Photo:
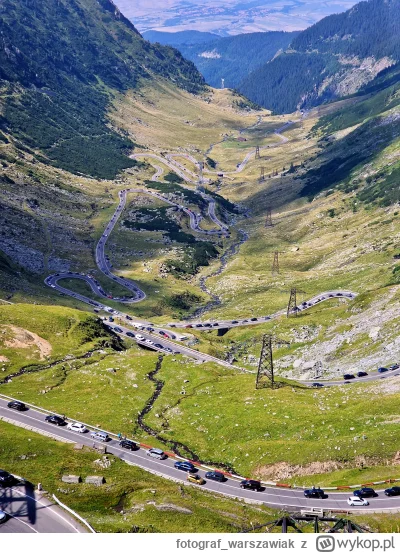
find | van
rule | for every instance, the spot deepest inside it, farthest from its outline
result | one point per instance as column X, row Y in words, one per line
column 99, row 435
column 157, row 453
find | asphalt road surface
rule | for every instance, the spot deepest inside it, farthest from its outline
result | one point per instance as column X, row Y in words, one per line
column 30, row 512
column 285, row 499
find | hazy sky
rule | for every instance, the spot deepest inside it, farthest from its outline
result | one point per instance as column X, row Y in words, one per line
column 229, row 16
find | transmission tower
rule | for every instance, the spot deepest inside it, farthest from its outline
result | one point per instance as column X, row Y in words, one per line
column 275, row 264
column 201, row 166
column 262, row 174
column 292, row 305
column 258, row 152
column 222, row 84
column 265, row 371
column 268, row 219
column 318, row 369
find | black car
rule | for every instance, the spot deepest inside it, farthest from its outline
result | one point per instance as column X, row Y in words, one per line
column 215, row 475
column 235, row 322
column 117, row 329
column 128, row 317
column 55, row 419
column 365, row 492
column 6, row 479
column 253, row 319
column 317, row 385
column 18, row 405
column 128, row 444
column 130, row 334
column 315, row 493
column 251, row 485
column 362, row 373
column 348, row 376
column 382, row 370
column 395, row 490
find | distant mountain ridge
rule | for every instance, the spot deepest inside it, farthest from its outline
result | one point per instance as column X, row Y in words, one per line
column 333, row 58
column 230, row 58
column 180, row 37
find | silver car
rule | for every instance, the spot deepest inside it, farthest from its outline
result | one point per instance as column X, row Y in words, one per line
column 157, row 453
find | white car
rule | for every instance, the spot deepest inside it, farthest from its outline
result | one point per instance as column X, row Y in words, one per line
column 3, row 516
column 139, row 337
column 77, row 427
column 149, row 342
column 357, row 501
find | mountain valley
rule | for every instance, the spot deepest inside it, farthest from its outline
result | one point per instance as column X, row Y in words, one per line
column 137, row 198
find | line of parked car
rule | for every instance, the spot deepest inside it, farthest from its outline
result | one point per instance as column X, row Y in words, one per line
column 359, row 374
column 357, row 499
column 144, row 340
column 215, row 475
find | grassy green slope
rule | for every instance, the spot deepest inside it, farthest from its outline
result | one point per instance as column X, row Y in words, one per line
column 60, row 66
column 34, row 337
column 131, row 500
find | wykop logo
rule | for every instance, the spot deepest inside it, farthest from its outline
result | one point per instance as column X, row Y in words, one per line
column 325, row 544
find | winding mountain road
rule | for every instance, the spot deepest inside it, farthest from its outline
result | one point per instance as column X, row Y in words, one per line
column 279, row 498
column 151, row 336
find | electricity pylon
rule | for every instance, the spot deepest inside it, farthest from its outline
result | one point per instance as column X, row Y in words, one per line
column 268, row 219
column 292, row 305
column 265, row 371
column 275, row 264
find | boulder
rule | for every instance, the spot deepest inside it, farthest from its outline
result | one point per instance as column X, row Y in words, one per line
column 374, row 332
column 95, row 480
column 71, row 479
